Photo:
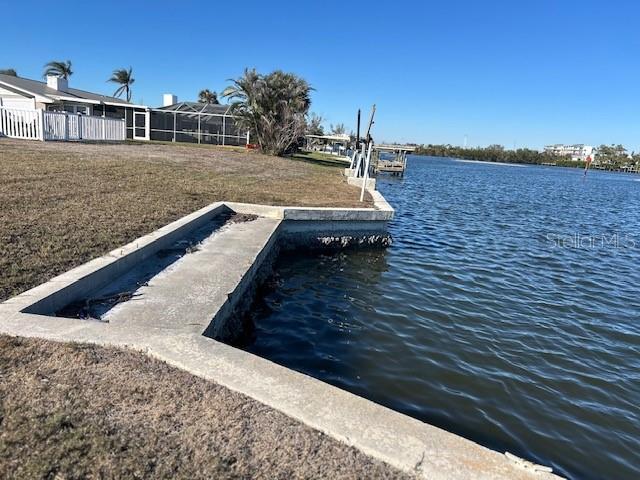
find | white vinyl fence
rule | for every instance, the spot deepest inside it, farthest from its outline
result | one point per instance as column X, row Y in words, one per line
column 41, row 125
column 16, row 123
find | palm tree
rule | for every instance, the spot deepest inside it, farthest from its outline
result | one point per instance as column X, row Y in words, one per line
column 273, row 107
column 9, row 71
column 338, row 129
column 207, row 96
column 314, row 125
column 58, row 69
column 124, row 78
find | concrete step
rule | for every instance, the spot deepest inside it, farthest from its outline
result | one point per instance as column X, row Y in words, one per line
column 186, row 295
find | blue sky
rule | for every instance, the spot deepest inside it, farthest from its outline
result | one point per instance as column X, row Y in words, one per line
column 511, row 72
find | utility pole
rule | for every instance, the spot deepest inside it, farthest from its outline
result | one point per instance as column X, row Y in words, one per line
column 358, row 132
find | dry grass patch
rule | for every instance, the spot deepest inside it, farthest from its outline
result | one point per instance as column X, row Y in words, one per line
column 72, row 411
column 65, row 203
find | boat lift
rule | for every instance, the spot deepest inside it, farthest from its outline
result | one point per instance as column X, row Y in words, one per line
column 395, row 166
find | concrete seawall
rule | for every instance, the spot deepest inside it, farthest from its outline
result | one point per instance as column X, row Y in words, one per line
column 181, row 310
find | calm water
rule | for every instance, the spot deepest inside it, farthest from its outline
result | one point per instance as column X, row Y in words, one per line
column 507, row 311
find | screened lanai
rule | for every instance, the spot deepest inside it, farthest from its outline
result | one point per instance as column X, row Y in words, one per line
column 196, row 123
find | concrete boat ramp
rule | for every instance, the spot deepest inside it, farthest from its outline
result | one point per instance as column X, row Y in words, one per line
column 188, row 294
column 181, row 305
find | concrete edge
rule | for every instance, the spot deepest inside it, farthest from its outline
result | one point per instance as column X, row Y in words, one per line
column 382, row 210
column 82, row 280
column 408, row 444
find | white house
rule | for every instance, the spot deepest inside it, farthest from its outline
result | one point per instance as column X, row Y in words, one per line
column 55, row 95
column 178, row 122
column 577, row 152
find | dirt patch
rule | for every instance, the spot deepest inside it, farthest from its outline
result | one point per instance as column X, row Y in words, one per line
column 66, row 203
column 241, row 217
column 79, row 411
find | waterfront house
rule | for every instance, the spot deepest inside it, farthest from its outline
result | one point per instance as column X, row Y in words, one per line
column 55, row 95
column 178, row 122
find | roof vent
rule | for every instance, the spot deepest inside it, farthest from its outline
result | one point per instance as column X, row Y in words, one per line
column 169, row 99
column 57, row 83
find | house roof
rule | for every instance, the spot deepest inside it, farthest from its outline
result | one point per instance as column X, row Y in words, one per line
column 36, row 88
column 195, row 107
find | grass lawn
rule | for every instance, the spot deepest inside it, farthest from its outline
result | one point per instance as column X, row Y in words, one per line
column 75, row 411
column 72, row 411
column 65, row 203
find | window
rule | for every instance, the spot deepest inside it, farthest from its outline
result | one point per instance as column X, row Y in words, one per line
column 70, row 108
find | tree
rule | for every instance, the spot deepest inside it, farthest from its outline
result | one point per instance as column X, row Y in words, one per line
column 613, row 155
column 314, row 125
column 339, row 129
column 58, row 69
column 207, row 96
column 124, row 78
column 273, row 107
column 9, row 71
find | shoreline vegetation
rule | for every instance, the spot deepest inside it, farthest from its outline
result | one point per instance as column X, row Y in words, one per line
column 498, row 154
column 613, row 158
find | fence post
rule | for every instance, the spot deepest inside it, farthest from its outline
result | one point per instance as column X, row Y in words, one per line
column 40, row 125
column 147, row 124
column 79, row 126
column 224, row 127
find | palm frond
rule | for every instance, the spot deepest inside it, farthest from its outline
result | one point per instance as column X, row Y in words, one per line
column 58, row 69
column 125, row 79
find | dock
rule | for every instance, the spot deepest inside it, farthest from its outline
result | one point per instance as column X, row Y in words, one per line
column 394, row 166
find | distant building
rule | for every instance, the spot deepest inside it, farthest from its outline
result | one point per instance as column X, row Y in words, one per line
column 578, row 152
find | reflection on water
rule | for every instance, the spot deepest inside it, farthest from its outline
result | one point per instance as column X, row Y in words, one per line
column 505, row 311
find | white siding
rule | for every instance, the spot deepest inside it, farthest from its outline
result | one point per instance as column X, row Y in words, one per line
column 11, row 99
column 20, row 103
